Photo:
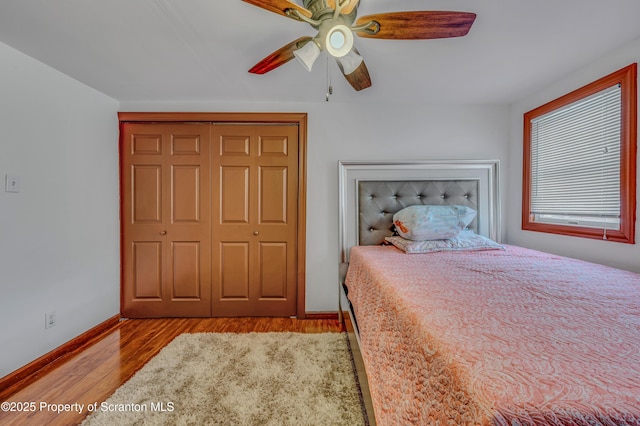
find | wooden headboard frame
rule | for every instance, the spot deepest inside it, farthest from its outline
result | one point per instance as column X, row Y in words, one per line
column 371, row 192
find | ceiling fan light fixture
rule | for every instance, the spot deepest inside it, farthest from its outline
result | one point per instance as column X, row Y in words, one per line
column 350, row 62
column 339, row 40
column 337, row 23
column 307, row 55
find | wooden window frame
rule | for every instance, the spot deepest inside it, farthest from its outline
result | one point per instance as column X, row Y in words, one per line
column 627, row 78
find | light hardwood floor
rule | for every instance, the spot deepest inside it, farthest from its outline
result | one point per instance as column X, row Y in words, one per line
column 95, row 372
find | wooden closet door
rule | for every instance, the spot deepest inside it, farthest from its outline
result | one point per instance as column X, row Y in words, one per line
column 255, row 190
column 166, row 220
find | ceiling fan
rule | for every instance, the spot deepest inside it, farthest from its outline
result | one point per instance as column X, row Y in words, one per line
column 335, row 21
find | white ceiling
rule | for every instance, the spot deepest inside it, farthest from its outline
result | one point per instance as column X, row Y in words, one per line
column 200, row 50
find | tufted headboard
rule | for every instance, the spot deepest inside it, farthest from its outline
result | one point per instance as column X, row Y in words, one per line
column 379, row 200
column 371, row 192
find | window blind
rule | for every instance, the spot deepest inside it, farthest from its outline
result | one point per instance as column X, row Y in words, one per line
column 575, row 158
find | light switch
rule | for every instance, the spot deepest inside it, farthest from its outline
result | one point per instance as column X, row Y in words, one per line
column 12, row 183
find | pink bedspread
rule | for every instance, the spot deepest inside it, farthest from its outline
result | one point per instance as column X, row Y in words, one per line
column 513, row 337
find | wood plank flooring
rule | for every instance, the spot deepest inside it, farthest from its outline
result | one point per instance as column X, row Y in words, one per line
column 94, row 373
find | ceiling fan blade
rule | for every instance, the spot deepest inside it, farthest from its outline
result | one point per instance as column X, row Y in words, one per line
column 358, row 79
column 279, row 57
column 279, row 6
column 418, row 25
column 347, row 9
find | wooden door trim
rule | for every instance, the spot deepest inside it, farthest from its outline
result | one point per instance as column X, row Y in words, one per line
column 215, row 117
column 296, row 118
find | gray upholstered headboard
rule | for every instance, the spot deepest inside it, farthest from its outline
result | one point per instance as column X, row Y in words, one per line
column 371, row 192
column 379, row 200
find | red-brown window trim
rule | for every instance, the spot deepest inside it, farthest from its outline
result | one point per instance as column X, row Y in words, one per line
column 627, row 78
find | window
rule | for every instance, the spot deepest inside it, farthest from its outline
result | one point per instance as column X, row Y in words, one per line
column 579, row 171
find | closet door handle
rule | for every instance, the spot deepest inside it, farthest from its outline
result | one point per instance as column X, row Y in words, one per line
column 256, row 233
column 163, row 232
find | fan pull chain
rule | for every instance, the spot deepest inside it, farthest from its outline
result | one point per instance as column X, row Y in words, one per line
column 329, row 86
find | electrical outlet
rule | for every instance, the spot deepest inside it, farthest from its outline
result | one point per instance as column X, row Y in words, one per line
column 12, row 183
column 49, row 319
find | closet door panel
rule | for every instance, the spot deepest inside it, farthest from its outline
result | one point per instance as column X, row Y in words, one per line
column 185, row 194
column 166, row 220
column 146, row 193
column 234, row 195
column 186, row 280
column 147, row 272
column 257, row 194
column 234, row 275
column 273, row 200
column 273, row 271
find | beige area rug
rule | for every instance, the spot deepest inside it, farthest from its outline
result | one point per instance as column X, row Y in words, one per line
column 240, row 379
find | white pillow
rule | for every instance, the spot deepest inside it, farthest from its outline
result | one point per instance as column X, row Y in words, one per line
column 465, row 241
column 432, row 222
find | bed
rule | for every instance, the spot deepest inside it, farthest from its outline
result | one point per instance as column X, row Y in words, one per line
column 506, row 336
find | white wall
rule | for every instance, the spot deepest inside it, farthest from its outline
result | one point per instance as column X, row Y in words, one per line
column 625, row 256
column 364, row 131
column 59, row 237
